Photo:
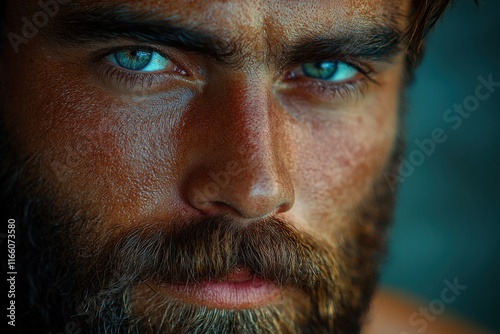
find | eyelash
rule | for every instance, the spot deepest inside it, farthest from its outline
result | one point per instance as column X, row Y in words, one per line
column 346, row 91
column 136, row 80
column 131, row 80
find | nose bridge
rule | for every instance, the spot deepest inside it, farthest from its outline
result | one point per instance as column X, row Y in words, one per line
column 249, row 122
column 254, row 137
column 243, row 170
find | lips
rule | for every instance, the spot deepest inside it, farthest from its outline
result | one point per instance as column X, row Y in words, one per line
column 240, row 289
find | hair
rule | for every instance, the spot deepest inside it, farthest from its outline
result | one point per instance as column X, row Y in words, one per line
column 423, row 17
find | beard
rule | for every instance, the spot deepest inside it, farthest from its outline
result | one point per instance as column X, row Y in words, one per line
column 70, row 271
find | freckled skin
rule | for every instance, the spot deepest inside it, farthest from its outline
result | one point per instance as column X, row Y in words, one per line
column 137, row 158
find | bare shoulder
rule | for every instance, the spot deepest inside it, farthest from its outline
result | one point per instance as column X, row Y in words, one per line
column 391, row 313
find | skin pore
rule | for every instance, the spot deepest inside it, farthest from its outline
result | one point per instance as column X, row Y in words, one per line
column 250, row 149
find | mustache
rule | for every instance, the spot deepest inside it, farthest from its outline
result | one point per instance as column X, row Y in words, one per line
column 210, row 249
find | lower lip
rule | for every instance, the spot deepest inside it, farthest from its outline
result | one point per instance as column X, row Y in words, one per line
column 230, row 294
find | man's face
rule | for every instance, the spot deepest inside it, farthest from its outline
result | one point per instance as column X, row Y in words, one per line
column 209, row 163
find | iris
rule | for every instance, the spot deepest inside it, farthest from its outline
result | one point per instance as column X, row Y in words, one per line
column 139, row 60
column 329, row 70
column 135, row 60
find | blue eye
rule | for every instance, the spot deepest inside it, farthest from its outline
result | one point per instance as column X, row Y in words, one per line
column 139, row 60
column 334, row 71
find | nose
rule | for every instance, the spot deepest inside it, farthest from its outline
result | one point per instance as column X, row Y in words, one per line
column 240, row 163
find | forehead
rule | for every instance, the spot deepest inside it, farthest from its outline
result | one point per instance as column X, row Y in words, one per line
column 258, row 19
column 258, row 12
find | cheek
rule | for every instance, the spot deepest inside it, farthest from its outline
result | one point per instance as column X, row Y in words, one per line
column 340, row 159
column 95, row 150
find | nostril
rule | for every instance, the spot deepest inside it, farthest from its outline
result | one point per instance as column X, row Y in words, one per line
column 284, row 207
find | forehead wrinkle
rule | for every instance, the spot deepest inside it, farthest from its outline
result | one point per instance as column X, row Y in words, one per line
column 246, row 26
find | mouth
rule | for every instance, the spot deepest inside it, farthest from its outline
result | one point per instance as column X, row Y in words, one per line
column 240, row 289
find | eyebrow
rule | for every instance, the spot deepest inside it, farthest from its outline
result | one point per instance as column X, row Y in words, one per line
column 375, row 43
column 77, row 26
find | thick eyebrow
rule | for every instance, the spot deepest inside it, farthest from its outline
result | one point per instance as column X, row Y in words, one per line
column 375, row 43
column 103, row 24
column 76, row 26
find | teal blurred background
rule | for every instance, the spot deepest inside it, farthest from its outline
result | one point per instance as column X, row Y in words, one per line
column 447, row 221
